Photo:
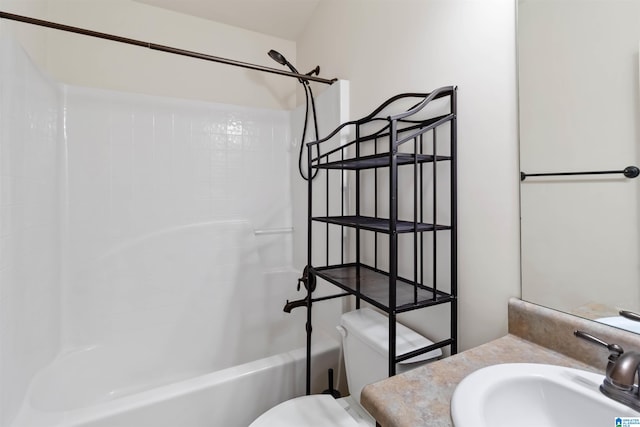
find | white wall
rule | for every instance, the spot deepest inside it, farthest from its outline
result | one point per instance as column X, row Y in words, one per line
column 85, row 61
column 29, row 229
column 579, row 112
column 386, row 47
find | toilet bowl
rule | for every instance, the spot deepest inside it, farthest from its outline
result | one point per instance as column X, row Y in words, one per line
column 365, row 341
column 316, row 410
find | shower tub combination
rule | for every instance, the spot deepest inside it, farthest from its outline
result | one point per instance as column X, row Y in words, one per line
column 249, row 356
column 233, row 396
column 166, row 307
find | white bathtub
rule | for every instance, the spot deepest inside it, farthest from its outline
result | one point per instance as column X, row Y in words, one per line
column 180, row 328
column 228, row 398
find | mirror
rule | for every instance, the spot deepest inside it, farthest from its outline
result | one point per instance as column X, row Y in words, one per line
column 580, row 112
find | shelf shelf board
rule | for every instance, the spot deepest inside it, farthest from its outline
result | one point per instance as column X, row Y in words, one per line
column 374, row 287
column 379, row 224
column 379, row 161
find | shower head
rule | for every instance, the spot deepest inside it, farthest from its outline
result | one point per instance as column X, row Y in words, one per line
column 278, row 57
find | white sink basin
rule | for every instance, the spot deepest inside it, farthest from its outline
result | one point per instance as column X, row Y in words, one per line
column 534, row 395
column 622, row 323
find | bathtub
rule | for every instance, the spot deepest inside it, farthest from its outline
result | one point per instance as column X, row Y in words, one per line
column 179, row 328
column 227, row 398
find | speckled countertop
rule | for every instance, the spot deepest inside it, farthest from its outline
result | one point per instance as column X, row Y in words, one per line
column 536, row 335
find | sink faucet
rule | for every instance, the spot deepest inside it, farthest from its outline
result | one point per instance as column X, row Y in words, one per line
column 622, row 369
column 630, row 315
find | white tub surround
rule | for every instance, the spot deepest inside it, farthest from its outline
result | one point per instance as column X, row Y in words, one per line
column 147, row 253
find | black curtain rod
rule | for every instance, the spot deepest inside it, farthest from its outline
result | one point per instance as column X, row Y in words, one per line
column 153, row 46
column 629, row 172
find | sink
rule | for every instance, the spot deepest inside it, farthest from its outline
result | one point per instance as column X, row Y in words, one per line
column 534, row 395
column 622, row 323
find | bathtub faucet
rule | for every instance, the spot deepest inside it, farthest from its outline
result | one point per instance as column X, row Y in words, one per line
column 290, row 305
column 308, row 280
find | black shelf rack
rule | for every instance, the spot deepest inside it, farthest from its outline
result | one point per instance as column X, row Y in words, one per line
column 382, row 215
column 371, row 285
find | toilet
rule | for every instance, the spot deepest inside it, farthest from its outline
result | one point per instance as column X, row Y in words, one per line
column 365, row 341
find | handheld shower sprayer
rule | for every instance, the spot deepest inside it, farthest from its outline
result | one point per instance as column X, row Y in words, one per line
column 280, row 59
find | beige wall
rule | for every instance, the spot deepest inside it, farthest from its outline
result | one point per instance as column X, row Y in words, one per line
column 85, row 61
column 384, row 47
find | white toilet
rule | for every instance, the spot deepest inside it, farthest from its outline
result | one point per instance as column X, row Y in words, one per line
column 365, row 340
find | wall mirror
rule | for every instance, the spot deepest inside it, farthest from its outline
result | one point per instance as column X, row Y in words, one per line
column 579, row 106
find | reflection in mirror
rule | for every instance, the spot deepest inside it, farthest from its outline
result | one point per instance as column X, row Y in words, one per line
column 579, row 111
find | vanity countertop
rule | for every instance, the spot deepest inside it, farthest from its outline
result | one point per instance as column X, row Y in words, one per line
column 421, row 397
column 536, row 335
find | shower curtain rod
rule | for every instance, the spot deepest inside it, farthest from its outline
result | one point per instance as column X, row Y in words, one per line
column 153, row 46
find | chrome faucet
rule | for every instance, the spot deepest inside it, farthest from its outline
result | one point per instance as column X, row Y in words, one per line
column 629, row 315
column 620, row 376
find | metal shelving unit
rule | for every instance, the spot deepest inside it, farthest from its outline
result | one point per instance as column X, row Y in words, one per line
column 397, row 215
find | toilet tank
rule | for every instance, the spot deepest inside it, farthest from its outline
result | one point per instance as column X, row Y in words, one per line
column 365, row 340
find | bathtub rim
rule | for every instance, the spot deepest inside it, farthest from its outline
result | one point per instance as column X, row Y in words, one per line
column 28, row 416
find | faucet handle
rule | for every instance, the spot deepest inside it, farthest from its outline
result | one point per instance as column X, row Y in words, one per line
column 630, row 315
column 614, row 349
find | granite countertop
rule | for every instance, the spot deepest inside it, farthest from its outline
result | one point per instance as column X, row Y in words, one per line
column 536, row 335
column 422, row 397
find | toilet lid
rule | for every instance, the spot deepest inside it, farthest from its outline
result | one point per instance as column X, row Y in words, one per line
column 317, row 410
